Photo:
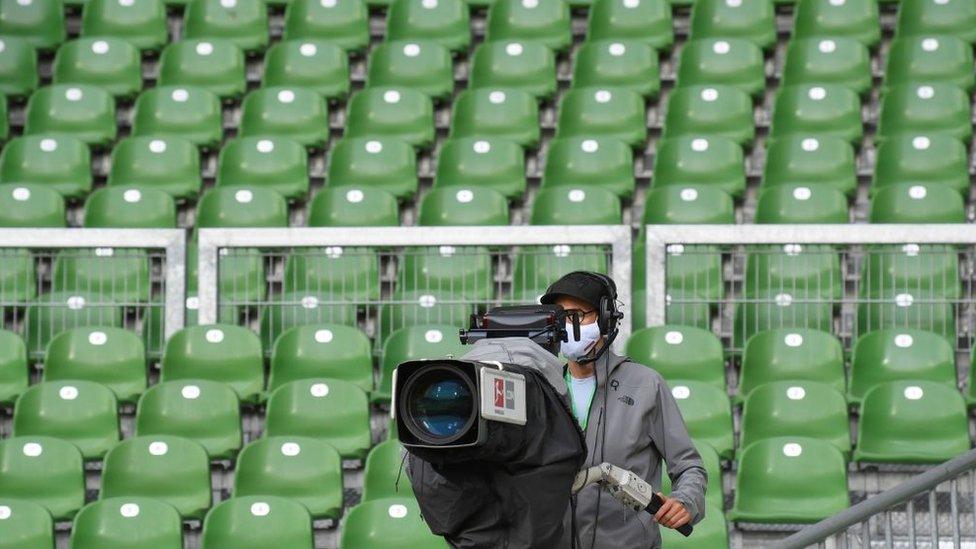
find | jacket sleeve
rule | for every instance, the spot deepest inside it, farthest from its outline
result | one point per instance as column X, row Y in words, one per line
column 684, row 464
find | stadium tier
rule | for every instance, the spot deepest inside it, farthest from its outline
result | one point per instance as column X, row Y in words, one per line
column 810, row 377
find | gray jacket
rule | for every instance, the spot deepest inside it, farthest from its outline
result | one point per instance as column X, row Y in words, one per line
column 641, row 424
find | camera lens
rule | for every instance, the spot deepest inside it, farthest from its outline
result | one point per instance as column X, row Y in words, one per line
column 440, row 405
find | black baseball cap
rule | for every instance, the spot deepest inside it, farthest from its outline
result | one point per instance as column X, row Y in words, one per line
column 579, row 284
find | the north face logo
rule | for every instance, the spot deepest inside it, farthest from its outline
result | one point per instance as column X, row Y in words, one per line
column 628, row 400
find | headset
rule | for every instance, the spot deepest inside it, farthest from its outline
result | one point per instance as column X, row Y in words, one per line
column 608, row 313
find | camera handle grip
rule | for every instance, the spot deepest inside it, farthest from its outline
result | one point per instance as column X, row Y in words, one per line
column 655, row 505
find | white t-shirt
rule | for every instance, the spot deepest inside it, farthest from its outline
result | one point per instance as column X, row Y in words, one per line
column 582, row 391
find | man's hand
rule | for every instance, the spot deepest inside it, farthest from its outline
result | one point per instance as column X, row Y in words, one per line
column 672, row 513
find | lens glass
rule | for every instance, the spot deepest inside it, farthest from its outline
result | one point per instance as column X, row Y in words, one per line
column 441, row 404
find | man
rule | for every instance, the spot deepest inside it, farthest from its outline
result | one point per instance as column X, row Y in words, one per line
column 629, row 418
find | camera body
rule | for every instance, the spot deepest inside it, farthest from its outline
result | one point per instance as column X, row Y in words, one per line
column 543, row 324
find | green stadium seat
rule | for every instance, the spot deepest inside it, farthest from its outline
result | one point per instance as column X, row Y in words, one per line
column 814, row 270
column 829, row 109
column 496, row 163
column 140, row 22
column 930, row 269
column 302, row 469
column 206, row 412
column 18, row 67
column 705, row 161
column 598, row 112
column 917, row 203
column 814, row 203
column 857, row 19
column 382, row 476
column 18, row 276
column 735, row 62
column 679, row 352
column 121, row 207
column 119, row 275
column 345, row 23
column 707, row 414
column 671, row 204
column 646, row 20
column 300, row 308
column 528, row 67
column 55, row 312
column 59, row 162
column 30, row 206
column 152, row 323
column 330, row 410
column 754, row 20
column 315, row 64
column 169, row 164
column 275, row 163
column 925, row 109
column 899, row 354
column 545, row 21
column 350, row 272
column 912, row 421
column 113, row 357
column 796, row 408
column 537, row 266
column 712, row 531
column 411, row 343
column 790, row 480
column 508, row 114
column 80, row 412
column 442, row 21
column 945, row 59
column 25, row 524
column 217, row 352
column 324, row 350
column 242, row 207
column 450, row 206
column 257, row 522
column 837, row 60
column 4, row 122
column 83, row 111
column 40, row 22
column 353, row 207
column 241, row 276
column 127, row 523
column 583, row 205
column 296, row 113
column 810, row 160
column 387, row 523
column 43, row 470
column 420, row 65
column 791, row 354
column 170, row 469
column 931, row 17
column 900, row 310
column 382, row 163
column 242, row 22
column 112, row 64
column 404, row 114
column 682, row 309
column 464, row 272
column 413, row 307
column 714, row 495
column 768, row 311
column 930, row 158
column 630, row 64
column 723, row 111
column 189, row 113
column 14, row 369
column 213, row 65
column 603, row 163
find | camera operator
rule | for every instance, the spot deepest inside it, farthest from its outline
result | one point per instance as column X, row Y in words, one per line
column 629, row 418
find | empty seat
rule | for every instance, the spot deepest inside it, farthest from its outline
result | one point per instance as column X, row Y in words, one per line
column 39, row 22
column 350, row 272
column 630, row 64
column 422, row 306
column 274, row 163
column 525, row 66
column 583, row 205
column 130, row 208
column 703, row 161
column 140, row 22
column 127, row 523
column 80, row 412
column 242, row 207
column 600, row 162
column 396, row 113
column 14, row 374
column 243, row 22
column 796, row 408
column 790, row 480
column 828, row 109
column 912, row 421
column 509, row 114
column 302, row 469
column 925, row 108
column 712, row 531
column 894, row 309
column 857, row 19
column 795, row 354
column 444, row 22
column 917, row 203
column 206, row 412
column 414, row 342
column 932, row 17
column 456, row 272
column 603, row 112
column 814, row 270
column 345, row 23
column 316, row 64
column 257, row 522
column 647, row 20
column 240, row 277
column 113, row 357
column 933, row 158
column 420, row 65
column 497, row 163
column 112, row 64
column 299, row 308
column 897, row 354
column 781, row 309
column 733, row 62
column 218, row 352
column 837, row 60
column 383, row 476
column 809, row 160
column 18, row 277
column 706, row 412
column 449, row 206
column 537, row 266
column 679, row 352
column 26, row 524
column 170, row 469
column 385, row 523
column 930, row 269
column 813, row 203
column 714, row 496
column 324, row 350
column 944, row 59
column 119, row 275
column 710, row 110
column 78, row 110
column 214, row 65
column 18, row 67
column 173, row 111
column 545, row 21
column 330, row 410
column 43, row 470
column 55, row 312
column 688, row 204
column 296, row 113
column 59, row 162
column 353, row 206
column 751, row 19
column 377, row 162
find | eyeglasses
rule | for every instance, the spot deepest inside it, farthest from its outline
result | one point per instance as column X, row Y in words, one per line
column 578, row 315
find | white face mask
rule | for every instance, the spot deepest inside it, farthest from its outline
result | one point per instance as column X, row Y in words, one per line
column 574, row 349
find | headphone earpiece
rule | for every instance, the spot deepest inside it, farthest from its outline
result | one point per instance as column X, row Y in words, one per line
column 609, row 315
